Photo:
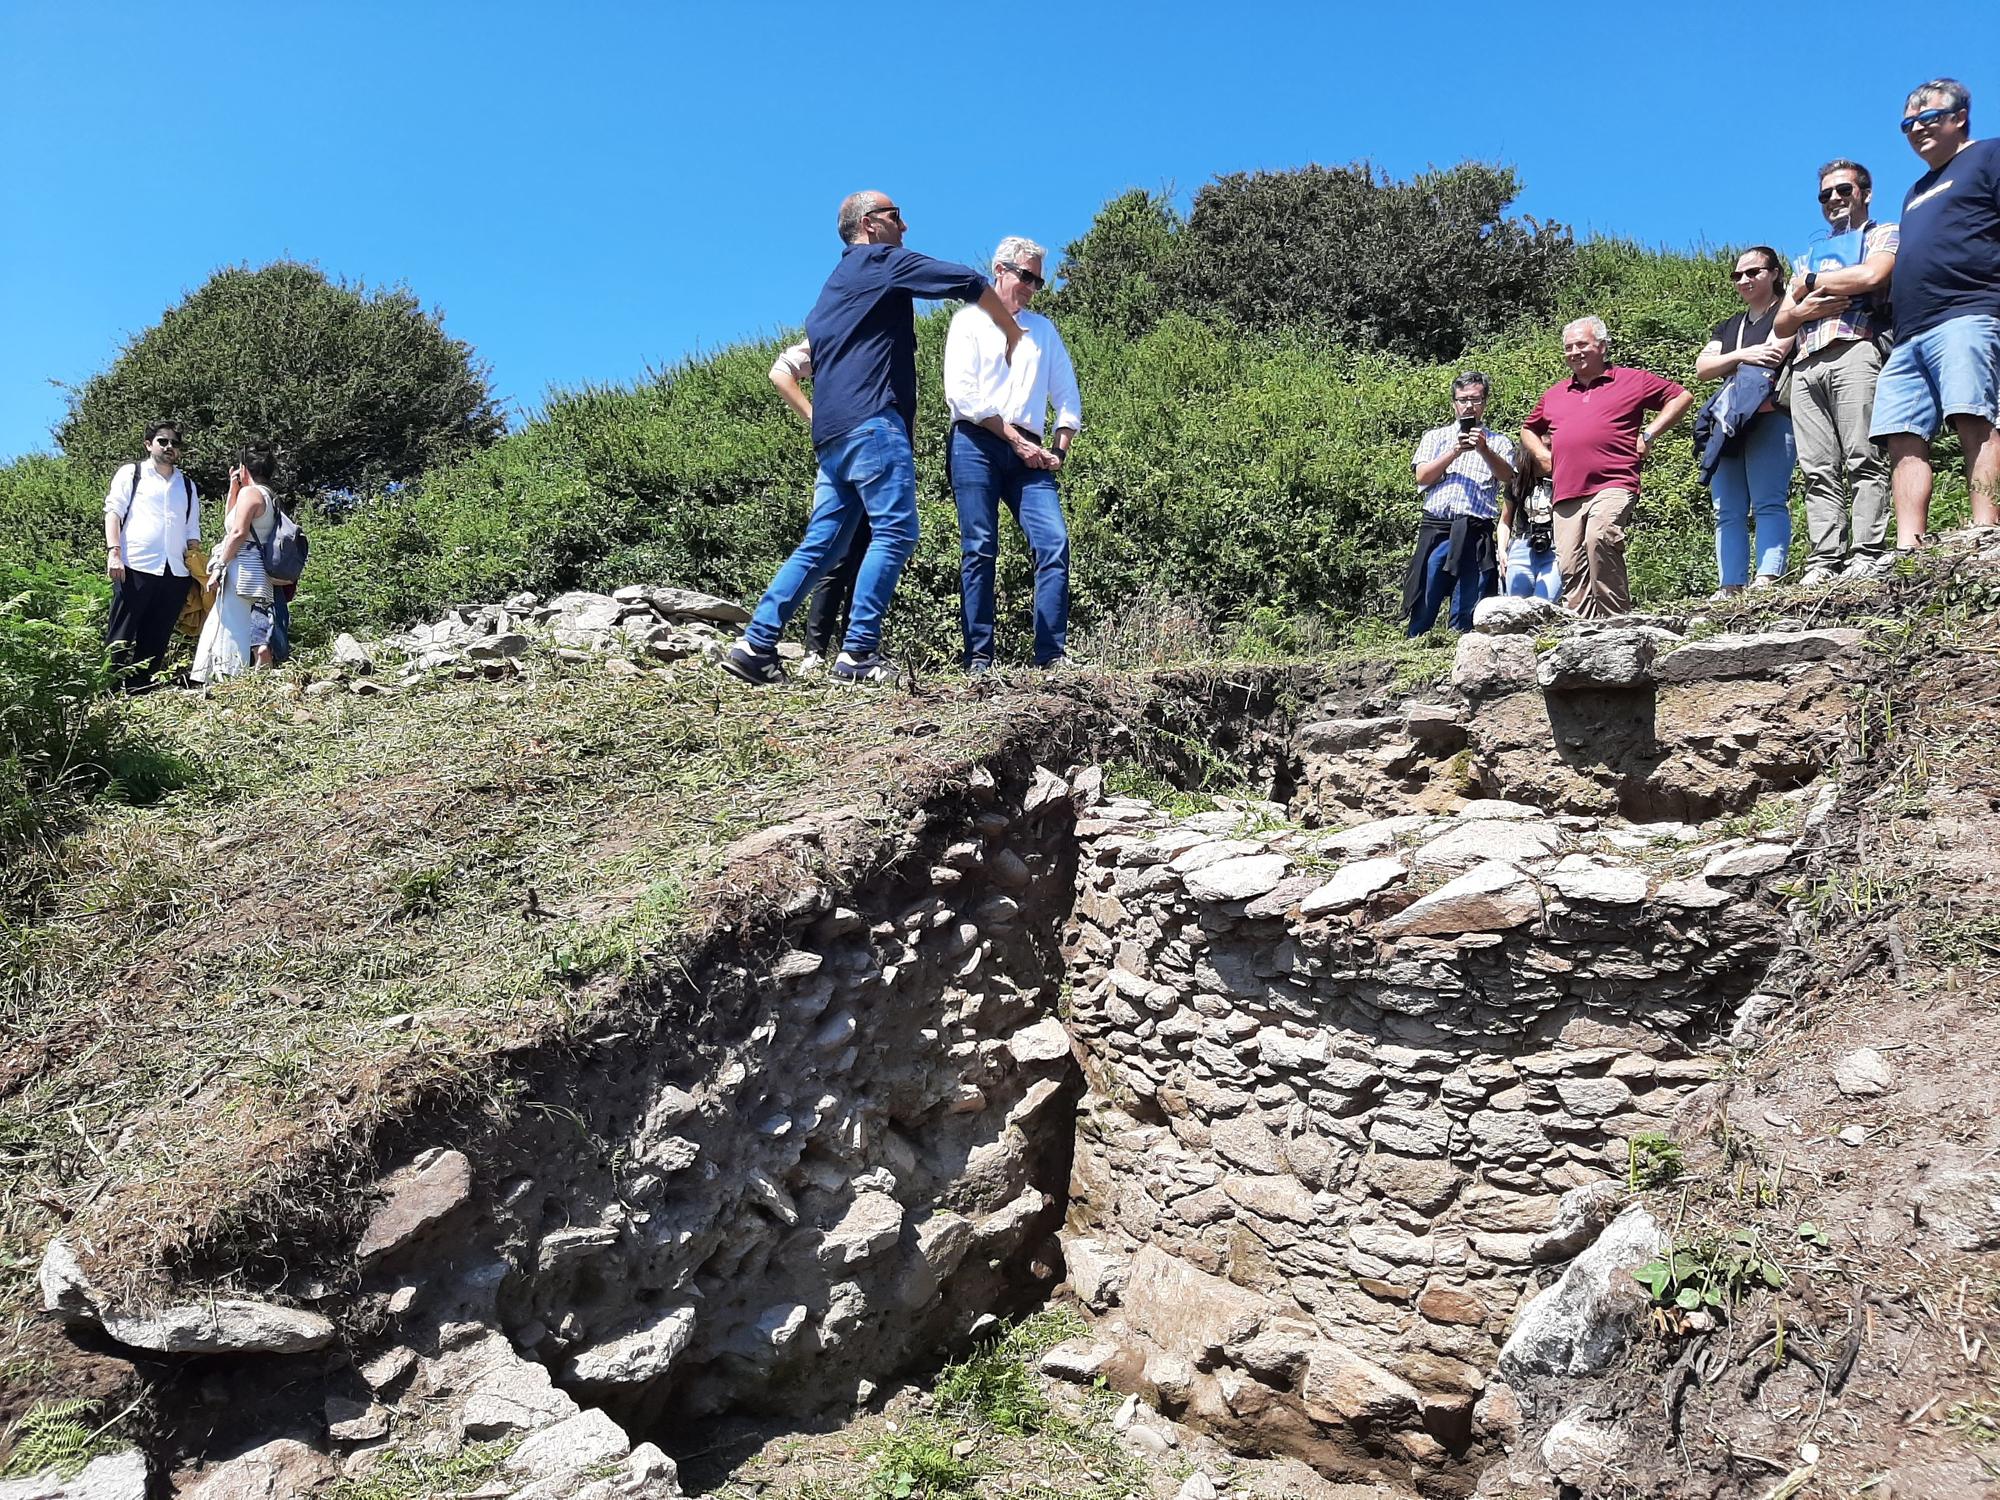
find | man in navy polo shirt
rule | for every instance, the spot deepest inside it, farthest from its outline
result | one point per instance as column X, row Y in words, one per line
column 864, row 351
column 1946, row 295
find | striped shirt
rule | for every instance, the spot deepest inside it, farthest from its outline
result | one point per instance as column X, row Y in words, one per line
column 1864, row 318
column 1468, row 487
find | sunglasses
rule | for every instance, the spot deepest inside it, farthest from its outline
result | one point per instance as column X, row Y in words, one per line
column 1926, row 118
column 1842, row 189
column 160, row 442
column 1033, row 278
column 891, row 212
column 1748, row 271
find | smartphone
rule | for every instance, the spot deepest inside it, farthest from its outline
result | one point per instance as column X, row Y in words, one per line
column 1466, row 424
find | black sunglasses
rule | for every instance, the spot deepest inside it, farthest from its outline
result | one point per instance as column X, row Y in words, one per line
column 1926, row 117
column 167, row 442
column 1838, row 190
column 1033, row 278
column 1748, row 271
column 891, row 211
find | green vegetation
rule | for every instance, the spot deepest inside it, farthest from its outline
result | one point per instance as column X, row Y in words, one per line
column 405, row 1473
column 986, row 1428
column 1652, row 1160
column 1329, row 251
column 358, row 389
column 1711, row 1271
column 61, row 1436
column 62, row 740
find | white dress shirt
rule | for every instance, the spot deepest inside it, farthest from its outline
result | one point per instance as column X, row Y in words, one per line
column 979, row 383
column 159, row 520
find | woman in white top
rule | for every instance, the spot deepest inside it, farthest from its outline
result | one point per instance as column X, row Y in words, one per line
column 237, row 632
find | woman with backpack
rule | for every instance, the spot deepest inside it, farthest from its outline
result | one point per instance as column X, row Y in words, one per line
column 237, row 632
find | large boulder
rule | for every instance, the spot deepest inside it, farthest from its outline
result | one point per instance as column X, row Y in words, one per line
column 1617, row 658
column 1582, row 1323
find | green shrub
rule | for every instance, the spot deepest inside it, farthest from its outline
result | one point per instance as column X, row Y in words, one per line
column 357, row 388
column 63, row 739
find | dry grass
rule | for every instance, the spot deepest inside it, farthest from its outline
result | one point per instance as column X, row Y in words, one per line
column 371, row 904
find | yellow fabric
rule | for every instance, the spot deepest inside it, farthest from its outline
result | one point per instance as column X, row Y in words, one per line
column 201, row 598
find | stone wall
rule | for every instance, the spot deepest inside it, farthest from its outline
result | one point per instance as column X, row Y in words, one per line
column 1351, row 1092
column 824, row 1159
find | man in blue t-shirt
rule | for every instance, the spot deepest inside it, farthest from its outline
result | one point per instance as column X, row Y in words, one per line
column 864, row 352
column 1946, row 295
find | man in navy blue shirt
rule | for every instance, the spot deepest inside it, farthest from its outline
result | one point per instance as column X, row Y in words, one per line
column 864, row 350
column 1946, row 294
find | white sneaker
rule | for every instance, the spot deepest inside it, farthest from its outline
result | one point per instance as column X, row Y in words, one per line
column 1818, row 576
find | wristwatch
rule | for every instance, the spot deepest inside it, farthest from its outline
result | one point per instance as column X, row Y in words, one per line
column 1812, row 280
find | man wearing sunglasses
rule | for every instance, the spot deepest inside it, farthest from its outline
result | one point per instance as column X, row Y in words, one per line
column 864, row 353
column 152, row 514
column 999, row 413
column 1842, row 324
column 1946, row 363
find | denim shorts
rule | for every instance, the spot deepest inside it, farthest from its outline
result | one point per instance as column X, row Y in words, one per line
column 1952, row 370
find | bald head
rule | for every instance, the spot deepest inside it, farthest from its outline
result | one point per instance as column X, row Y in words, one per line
column 861, row 214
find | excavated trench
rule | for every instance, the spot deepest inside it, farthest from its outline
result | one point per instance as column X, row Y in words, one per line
column 1302, row 1099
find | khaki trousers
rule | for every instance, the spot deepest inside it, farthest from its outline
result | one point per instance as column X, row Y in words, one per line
column 1590, row 540
column 1833, row 393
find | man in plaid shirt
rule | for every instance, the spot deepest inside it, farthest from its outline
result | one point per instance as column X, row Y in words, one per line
column 1461, row 468
column 1838, row 306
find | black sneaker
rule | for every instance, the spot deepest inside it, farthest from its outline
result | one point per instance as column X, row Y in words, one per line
column 870, row 666
column 760, row 668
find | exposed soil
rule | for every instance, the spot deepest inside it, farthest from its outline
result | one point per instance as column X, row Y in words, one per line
column 1873, row 1370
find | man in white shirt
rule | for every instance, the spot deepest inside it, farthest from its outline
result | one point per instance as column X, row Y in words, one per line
column 999, row 414
column 152, row 513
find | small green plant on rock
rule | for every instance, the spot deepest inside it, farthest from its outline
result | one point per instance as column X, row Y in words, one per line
column 1651, row 1161
column 1710, row 1273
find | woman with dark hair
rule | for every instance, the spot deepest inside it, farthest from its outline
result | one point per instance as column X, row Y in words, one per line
column 1755, row 473
column 237, row 632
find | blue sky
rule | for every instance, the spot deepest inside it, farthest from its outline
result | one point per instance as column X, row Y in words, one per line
column 590, row 190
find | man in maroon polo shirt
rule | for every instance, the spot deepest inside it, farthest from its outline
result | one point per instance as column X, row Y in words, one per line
column 1595, row 423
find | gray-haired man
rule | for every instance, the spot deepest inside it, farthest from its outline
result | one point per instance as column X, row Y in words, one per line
column 1838, row 305
column 999, row 415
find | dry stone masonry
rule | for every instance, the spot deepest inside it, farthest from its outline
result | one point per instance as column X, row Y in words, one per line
column 1329, row 1098
column 1352, row 1092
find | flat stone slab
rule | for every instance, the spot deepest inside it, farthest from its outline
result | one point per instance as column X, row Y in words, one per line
column 1488, row 839
column 420, row 1195
column 1491, row 898
column 1352, row 885
column 1754, row 655
column 1240, row 879
column 1331, row 736
column 1579, row 878
column 226, row 1325
column 1752, row 859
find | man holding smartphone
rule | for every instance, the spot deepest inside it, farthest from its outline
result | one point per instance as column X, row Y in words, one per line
column 1462, row 468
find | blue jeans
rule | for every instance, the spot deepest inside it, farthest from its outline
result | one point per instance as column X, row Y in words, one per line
column 870, row 472
column 985, row 471
column 1756, row 476
column 1952, row 370
column 1533, row 575
column 1464, row 593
